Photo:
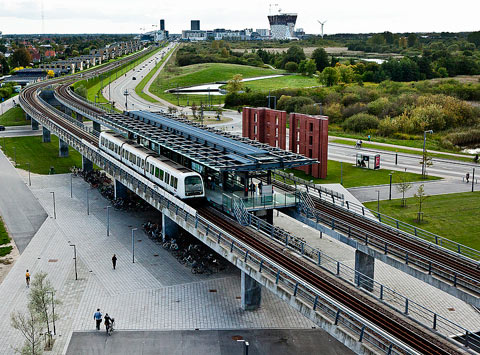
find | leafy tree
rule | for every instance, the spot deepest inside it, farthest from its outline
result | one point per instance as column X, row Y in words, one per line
column 50, row 73
column 426, row 161
column 21, row 57
column 389, row 37
column 291, row 67
column 29, row 325
column 310, row 67
column 402, row 186
column 412, row 39
column 474, row 37
column 321, row 58
column 235, row 84
column 328, row 77
column 294, row 54
column 345, row 73
column 420, row 196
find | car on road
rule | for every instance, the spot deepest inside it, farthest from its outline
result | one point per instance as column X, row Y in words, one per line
column 2, row 128
column 133, row 78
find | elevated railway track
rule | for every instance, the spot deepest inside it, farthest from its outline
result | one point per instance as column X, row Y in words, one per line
column 388, row 332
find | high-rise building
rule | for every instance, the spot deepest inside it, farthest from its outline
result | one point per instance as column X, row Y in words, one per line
column 282, row 26
column 195, row 25
column 162, row 25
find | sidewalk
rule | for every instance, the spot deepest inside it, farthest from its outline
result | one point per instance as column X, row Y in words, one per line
column 154, row 293
column 397, row 146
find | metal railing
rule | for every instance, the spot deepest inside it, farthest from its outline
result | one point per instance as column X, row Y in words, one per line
column 388, row 247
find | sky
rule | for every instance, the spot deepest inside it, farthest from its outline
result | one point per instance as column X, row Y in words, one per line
column 135, row 16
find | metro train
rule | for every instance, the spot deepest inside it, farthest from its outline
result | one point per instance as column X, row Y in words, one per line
column 180, row 181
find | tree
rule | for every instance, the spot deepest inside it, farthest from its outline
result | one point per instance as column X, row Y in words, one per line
column 50, row 73
column 412, row 39
column 420, row 196
column 29, row 325
column 40, row 300
column 235, row 84
column 310, row 67
column 329, row 76
column 403, row 185
column 321, row 58
column 21, row 57
column 294, row 54
column 426, row 162
column 474, row 37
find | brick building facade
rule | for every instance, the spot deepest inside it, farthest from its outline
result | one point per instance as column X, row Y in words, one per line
column 265, row 125
column 309, row 136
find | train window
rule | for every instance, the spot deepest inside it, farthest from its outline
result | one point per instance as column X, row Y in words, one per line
column 156, row 172
column 138, row 161
column 151, row 169
column 142, row 163
column 167, row 177
column 161, row 174
column 193, row 185
column 175, row 182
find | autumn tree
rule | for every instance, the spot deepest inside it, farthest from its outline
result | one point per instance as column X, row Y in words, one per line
column 21, row 57
column 402, row 186
column 328, row 77
column 29, row 324
column 235, row 84
column 420, row 196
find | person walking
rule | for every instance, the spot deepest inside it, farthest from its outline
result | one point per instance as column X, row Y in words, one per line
column 114, row 261
column 27, row 278
column 98, row 318
column 467, row 176
column 108, row 322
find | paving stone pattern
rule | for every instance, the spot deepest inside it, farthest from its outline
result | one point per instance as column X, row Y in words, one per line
column 154, row 293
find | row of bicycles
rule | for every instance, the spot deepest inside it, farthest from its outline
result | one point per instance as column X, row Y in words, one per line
column 188, row 251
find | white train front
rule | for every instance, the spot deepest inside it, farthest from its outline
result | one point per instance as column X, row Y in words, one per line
column 180, row 181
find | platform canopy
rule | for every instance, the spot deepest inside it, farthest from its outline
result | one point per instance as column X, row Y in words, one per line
column 215, row 149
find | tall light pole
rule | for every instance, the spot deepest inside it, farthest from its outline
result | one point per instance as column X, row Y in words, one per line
column 424, row 161
column 75, row 258
column 53, row 314
column 29, row 180
column 390, row 194
column 125, row 93
column 378, row 201
column 54, row 211
column 133, row 244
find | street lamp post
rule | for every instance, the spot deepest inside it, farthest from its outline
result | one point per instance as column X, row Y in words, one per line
column 473, row 178
column 15, row 155
column 29, row 180
column 75, row 258
column 424, row 153
column 125, row 93
column 133, row 244
column 245, row 345
column 53, row 314
column 378, row 201
column 390, row 194
column 341, row 173
column 54, row 211
column 108, row 220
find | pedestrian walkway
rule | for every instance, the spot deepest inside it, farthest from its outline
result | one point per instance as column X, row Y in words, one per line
column 154, row 293
column 437, row 187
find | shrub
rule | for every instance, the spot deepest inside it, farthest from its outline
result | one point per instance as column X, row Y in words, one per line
column 350, row 99
column 360, row 122
column 310, row 110
column 379, row 107
column 462, row 138
column 291, row 67
column 334, row 112
column 354, row 109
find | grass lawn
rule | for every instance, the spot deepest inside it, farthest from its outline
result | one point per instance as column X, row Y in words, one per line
column 453, row 216
column 467, row 158
column 4, row 239
column 288, row 81
column 173, row 76
column 14, row 117
column 354, row 176
column 139, row 88
column 41, row 156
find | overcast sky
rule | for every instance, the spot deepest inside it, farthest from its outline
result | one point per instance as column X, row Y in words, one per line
column 129, row 16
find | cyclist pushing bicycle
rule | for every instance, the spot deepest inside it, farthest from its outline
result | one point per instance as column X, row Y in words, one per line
column 109, row 322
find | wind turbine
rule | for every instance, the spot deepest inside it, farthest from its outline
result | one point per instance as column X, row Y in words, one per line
column 322, row 24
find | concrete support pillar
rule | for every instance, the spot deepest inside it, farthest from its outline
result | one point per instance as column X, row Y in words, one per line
column 62, row 148
column 169, row 228
column 87, row 164
column 269, row 217
column 79, row 117
column 224, row 180
column 364, row 264
column 46, row 136
column 120, row 190
column 68, row 111
column 97, row 127
column 251, row 293
column 34, row 124
column 245, row 185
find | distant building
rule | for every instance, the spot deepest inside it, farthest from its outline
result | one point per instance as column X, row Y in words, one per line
column 50, row 53
column 195, row 25
column 162, row 25
column 263, row 32
column 194, row 35
column 282, row 26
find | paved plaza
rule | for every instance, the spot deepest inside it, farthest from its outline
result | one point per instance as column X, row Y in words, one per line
column 154, row 293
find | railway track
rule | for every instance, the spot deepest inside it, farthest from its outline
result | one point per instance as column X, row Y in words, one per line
column 458, row 267
column 418, row 339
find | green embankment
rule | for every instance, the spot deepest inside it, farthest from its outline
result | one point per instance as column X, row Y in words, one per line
column 288, row 81
column 354, row 176
column 453, row 216
column 14, row 117
column 4, row 239
column 40, row 156
column 197, row 74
